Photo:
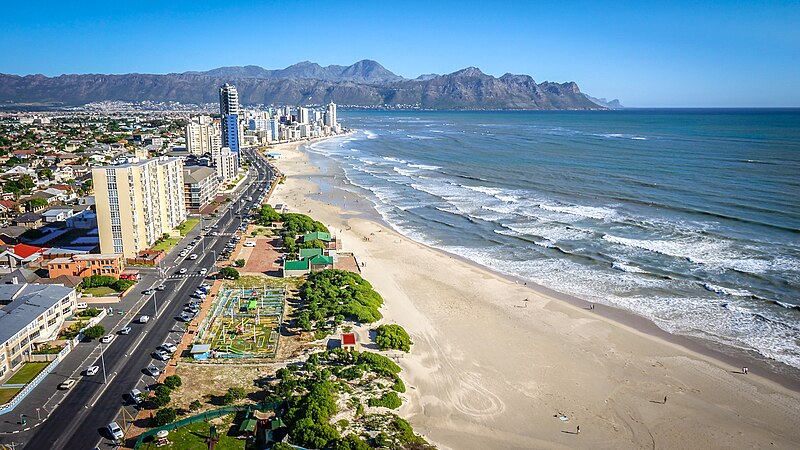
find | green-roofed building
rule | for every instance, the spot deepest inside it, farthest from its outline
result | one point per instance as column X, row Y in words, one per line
column 309, row 252
column 317, row 236
column 321, row 260
column 295, row 268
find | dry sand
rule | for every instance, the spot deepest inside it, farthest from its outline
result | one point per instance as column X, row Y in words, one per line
column 488, row 372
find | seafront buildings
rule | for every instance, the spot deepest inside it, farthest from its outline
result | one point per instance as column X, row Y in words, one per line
column 137, row 203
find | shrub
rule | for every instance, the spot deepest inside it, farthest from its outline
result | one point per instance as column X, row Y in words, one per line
column 122, row 285
column 91, row 312
column 282, row 446
column 195, row 405
column 233, row 394
column 164, row 416
column 393, row 337
column 94, row 332
column 162, row 397
column 229, row 273
column 239, row 262
column 379, row 363
column 389, row 400
column 333, row 292
column 97, row 280
column 352, row 442
column 173, row 381
column 398, row 385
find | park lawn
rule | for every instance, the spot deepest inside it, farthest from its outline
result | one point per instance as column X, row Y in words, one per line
column 99, row 291
column 195, row 436
column 187, row 226
column 27, row 372
column 167, row 244
column 6, row 394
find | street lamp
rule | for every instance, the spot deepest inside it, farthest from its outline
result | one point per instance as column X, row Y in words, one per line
column 155, row 303
column 103, row 362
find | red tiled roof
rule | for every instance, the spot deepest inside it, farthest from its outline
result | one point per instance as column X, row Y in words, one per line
column 348, row 339
column 24, row 152
column 25, row 250
column 9, row 203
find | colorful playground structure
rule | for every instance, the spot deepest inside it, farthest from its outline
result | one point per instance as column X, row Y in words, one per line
column 244, row 323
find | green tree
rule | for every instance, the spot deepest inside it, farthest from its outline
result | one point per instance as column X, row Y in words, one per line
column 162, row 397
column 282, row 446
column 35, row 204
column 239, row 262
column 195, row 405
column 229, row 273
column 389, row 400
column 94, row 332
column 165, row 416
column 173, row 381
column 392, row 337
column 45, row 173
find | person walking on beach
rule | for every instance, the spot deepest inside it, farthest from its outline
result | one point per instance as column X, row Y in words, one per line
column 665, row 399
column 745, row 370
column 578, row 430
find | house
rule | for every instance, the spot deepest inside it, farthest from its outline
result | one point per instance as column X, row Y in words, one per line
column 20, row 275
column 110, row 264
column 20, row 255
column 83, row 220
column 9, row 209
column 331, row 243
column 295, row 268
column 24, row 154
column 349, row 342
column 320, row 262
column 311, row 260
column 57, row 214
column 29, row 220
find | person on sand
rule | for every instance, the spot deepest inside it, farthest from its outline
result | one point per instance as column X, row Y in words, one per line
column 578, row 430
column 665, row 399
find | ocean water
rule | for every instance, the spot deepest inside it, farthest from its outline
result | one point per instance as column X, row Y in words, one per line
column 690, row 218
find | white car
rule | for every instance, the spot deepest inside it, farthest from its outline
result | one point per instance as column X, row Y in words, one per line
column 115, row 431
column 172, row 348
column 92, row 371
column 203, row 271
column 107, row 338
column 82, row 305
column 144, row 319
column 68, row 383
column 249, row 244
column 182, row 271
column 193, row 256
column 153, row 371
column 125, row 330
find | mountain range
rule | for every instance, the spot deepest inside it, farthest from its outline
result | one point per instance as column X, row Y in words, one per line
column 365, row 83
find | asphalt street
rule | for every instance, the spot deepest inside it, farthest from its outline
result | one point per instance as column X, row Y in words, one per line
column 79, row 420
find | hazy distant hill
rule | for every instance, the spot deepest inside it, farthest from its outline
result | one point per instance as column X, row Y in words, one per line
column 365, row 83
column 610, row 104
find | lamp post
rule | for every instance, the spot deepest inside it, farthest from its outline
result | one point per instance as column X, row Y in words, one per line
column 155, row 303
column 103, row 363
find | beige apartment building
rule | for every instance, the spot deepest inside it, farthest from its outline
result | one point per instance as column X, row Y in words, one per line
column 137, row 203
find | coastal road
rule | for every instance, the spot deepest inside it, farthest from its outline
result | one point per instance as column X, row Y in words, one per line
column 80, row 420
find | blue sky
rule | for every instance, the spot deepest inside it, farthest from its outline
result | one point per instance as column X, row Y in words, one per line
column 678, row 53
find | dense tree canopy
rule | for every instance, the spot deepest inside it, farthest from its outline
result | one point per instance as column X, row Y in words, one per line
column 331, row 292
column 393, row 337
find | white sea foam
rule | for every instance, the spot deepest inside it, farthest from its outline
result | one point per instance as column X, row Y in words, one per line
column 592, row 212
column 626, row 268
column 423, row 166
column 371, row 135
column 726, row 291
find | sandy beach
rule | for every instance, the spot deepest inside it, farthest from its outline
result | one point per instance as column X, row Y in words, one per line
column 496, row 364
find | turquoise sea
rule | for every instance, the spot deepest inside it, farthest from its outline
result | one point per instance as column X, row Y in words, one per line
column 690, row 218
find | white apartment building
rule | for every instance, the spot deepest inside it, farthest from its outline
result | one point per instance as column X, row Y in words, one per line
column 330, row 115
column 137, row 203
column 227, row 164
column 302, row 115
column 30, row 314
column 202, row 135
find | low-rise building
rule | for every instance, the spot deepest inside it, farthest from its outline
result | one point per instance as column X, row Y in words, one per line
column 30, row 314
column 86, row 265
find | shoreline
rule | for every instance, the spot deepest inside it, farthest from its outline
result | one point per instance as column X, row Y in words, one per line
column 566, row 312
column 778, row 372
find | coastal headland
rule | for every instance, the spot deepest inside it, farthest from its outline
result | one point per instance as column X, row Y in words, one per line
column 499, row 364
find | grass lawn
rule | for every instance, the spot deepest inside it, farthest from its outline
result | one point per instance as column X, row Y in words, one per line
column 166, row 245
column 27, row 372
column 7, row 394
column 195, row 436
column 99, row 291
column 187, row 226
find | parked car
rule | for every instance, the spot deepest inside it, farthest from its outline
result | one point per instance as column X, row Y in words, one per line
column 172, row 348
column 136, row 396
column 161, row 287
column 92, row 371
column 107, row 338
column 125, row 330
column 193, row 256
column 182, row 271
column 82, row 305
column 115, row 431
column 183, row 253
column 162, row 355
column 144, row 319
column 68, row 383
column 152, row 370
column 249, row 244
